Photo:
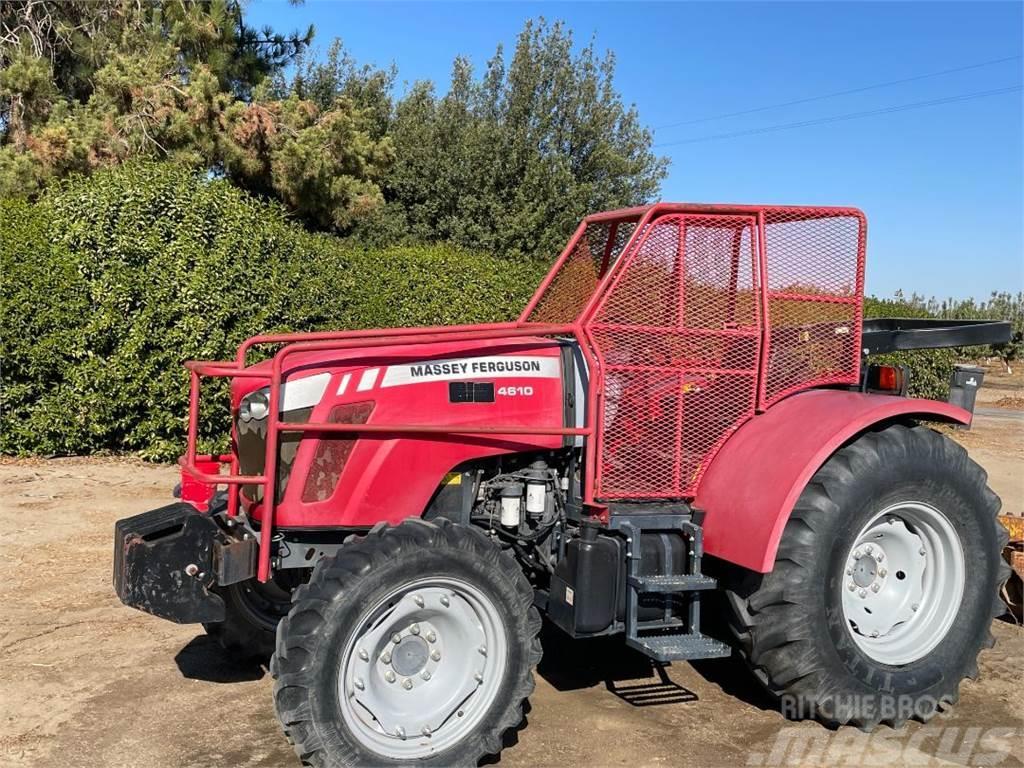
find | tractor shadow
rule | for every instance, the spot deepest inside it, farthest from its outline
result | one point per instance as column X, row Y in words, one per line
column 570, row 665
column 203, row 659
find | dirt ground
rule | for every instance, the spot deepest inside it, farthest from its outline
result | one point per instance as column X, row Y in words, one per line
column 85, row 681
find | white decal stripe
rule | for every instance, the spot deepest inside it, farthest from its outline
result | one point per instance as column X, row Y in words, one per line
column 305, row 392
column 344, row 383
column 368, row 379
column 489, row 367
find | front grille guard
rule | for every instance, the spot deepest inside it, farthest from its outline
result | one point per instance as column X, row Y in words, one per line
column 294, row 343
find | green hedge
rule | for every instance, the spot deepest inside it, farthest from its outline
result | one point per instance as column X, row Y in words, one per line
column 111, row 282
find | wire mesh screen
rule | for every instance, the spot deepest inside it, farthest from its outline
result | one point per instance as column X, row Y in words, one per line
column 679, row 334
column 815, row 268
column 577, row 277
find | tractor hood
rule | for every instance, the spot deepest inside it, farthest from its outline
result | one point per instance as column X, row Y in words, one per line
column 309, row 376
column 520, row 382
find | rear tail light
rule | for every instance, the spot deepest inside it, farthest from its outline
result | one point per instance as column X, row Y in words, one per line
column 333, row 450
column 887, row 378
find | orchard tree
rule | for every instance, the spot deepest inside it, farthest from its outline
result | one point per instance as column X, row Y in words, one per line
column 510, row 162
column 87, row 85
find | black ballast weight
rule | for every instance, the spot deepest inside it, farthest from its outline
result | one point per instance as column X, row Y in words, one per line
column 164, row 564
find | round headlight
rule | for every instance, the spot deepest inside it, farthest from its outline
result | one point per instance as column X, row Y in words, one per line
column 254, row 406
column 259, row 406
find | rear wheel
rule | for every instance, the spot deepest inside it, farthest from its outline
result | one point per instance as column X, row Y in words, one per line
column 884, row 586
column 413, row 644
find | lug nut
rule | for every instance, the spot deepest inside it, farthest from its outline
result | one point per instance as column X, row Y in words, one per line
column 880, row 557
column 863, row 593
column 857, row 553
column 418, row 600
column 407, row 684
column 396, row 638
column 415, row 629
column 875, row 587
column 425, row 674
column 849, row 571
column 363, row 654
column 431, row 637
column 869, row 549
column 882, row 572
column 389, row 676
column 435, row 655
column 851, row 586
column 386, row 657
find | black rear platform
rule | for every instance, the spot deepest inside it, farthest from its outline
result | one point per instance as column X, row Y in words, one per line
column 893, row 334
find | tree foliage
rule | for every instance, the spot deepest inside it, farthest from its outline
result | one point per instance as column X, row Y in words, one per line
column 507, row 160
column 89, row 85
column 111, row 282
column 510, row 161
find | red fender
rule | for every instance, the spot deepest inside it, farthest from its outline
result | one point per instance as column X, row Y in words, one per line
column 756, row 478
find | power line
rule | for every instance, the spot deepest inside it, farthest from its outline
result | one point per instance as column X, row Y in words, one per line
column 839, row 93
column 848, row 116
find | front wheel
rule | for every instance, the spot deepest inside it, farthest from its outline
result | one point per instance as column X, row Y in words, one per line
column 884, row 587
column 252, row 611
column 415, row 643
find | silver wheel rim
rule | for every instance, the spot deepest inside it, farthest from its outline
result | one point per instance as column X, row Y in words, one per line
column 903, row 581
column 423, row 668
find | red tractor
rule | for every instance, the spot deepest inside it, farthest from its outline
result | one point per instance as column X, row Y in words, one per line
column 683, row 406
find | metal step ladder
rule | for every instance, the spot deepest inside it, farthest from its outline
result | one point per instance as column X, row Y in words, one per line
column 671, row 638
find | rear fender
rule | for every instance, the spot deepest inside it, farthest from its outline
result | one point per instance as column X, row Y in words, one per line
column 754, row 481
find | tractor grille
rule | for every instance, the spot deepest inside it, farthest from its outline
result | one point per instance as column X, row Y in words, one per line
column 332, row 451
column 251, row 445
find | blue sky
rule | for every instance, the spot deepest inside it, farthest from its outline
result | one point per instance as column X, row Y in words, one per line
column 942, row 186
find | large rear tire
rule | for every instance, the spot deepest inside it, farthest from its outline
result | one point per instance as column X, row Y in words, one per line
column 884, row 587
column 414, row 644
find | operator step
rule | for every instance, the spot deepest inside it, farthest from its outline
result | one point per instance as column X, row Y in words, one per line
column 677, row 582
column 680, row 647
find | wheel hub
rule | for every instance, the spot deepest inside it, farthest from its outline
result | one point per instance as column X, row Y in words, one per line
column 903, row 582
column 865, row 571
column 410, row 655
column 423, row 670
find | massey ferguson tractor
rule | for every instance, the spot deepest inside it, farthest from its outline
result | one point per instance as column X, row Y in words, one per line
column 684, row 410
